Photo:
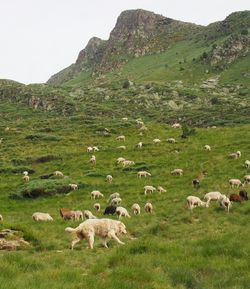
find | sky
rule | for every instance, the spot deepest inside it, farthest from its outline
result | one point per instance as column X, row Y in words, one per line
column 41, row 37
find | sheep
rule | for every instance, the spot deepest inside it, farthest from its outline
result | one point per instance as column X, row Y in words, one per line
column 139, row 145
column 125, row 118
column 25, row 173
column 89, row 149
column 121, row 137
column 212, row 196
column 235, row 183
column 89, row 215
column 177, row 172
column 196, row 183
column 161, row 190
column 171, row 140
column 26, row 178
column 121, row 147
column 58, row 173
column 93, row 160
column 73, row 186
column 97, row 206
column 96, row 194
column 136, row 209
column 77, row 215
column 109, row 178
column 247, row 164
column 139, row 123
column 110, row 210
column 115, row 201
column 243, row 194
column 41, row 217
column 127, row 163
column 1, row 218
column 148, row 207
column 95, row 149
column 207, row 147
column 225, row 202
column 156, row 141
column 194, row 202
column 143, row 128
column 236, row 155
column 235, row 198
column 66, row 214
column 176, row 125
column 122, row 212
column 120, row 160
column 149, row 189
column 143, row 174
column 113, row 196
column 247, row 179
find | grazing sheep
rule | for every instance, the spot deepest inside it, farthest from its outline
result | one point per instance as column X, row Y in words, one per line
column 110, row 210
column 89, row 215
column 235, row 183
column 247, row 164
column 194, row 202
column 171, row 140
column 136, row 209
column 149, row 189
column 143, row 128
column 120, row 160
column 207, row 148
column 93, row 160
column 114, row 195
column 243, row 194
column 139, row 123
column 196, row 183
column 89, row 149
column 95, row 149
column 161, row 190
column 236, row 155
column 139, row 145
column 176, row 125
column 143, row 174
column 121, row 137
column 58, row 173
column 77, row 215
column 26, row 178
column 96, row 194
column 73, row 186
column 109, row 178
column 25, row 173
column 212, row 196
column 225, row 202
column 122, row 212
column 121, row 147
column 127, row 163
column 125, row 118
column 115, row 201
column 177, row 172
column 66, row 214
column 1, row 218
column 156, row 141
column 247, row 179
column 148, row 207
column 97, row 206
column 235, row 198
column 41, row 217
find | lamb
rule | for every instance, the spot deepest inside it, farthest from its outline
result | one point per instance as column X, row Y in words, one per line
column 139, row 145
column 97, row 206
column 121, row 147
column 171, row 140
column 109, row 178
column 149, row 189
column 77, row 215
column 177, row 172
column 73, row 186
column 156, row 141
column 194, row 202
column 93, row 160
column 1, row 218
column 89, row 215
column 127, row 163
column 96, row 194
column 136, row 209
column 121, row 137
column 120, row 160
column 161, row 190
column 235, row 198
column 148, row 207
column 225, row 202
column 247, row 164
column 66, row 214
column 122, row 212
column 207, row 148
column 212, row 196
column 143, row 174
column 41, row 217
column 243, row 194
column 58, row 173
column 247, row 179
column 110, row 210
column 235, row 183
column 26, row 178
column 176, row 125
column 115, row 201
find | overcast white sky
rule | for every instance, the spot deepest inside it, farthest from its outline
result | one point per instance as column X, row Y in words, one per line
column 41, row 37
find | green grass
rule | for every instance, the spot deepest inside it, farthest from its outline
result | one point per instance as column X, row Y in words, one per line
column 174, row 248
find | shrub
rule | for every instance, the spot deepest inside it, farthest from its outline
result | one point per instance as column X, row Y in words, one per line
column 186, row 132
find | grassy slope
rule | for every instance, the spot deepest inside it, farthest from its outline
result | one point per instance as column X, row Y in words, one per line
column 206, row 249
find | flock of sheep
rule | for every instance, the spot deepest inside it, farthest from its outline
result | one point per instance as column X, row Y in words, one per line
column 115, row 200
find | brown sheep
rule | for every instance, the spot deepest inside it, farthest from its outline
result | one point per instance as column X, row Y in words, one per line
column 66, row 214
column 235, row 198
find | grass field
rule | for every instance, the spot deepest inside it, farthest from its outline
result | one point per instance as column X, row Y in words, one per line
column 174, row 248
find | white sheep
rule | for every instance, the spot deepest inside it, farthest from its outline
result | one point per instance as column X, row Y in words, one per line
column 121, row 147
column 247, row 179
column 143, row 174
column 212, row 196
column 127, row 163
column 115, row 201
column 95, row 149
column 77, row 215
column 235, row 183
column 139, row 145
column 225, row 202
column 41, row 217
column 148, row 207
column 176, row 125
column 97, row 206
column 113, row 196
column 109, row 178
column 73, row 186
column 93, row 160
column 58, row 173
column 161, row 190
column 207, row 148
column 89, row 215
column 156, row 141
column 143, row 128
column 121, row 137
column 122, row 212
column 89, row 149
column 96, row 194
column 149, row 189
column 171, row 140
column 194, row 202
column 125, row 118
column 247, row 164
column 25, row 173
column 136, row 209
column 177, row 172
column 236, row 155
column 1, row 218
column 26, row 178
column 120, row 160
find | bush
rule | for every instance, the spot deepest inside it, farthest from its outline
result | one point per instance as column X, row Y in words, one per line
column 186, row 132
